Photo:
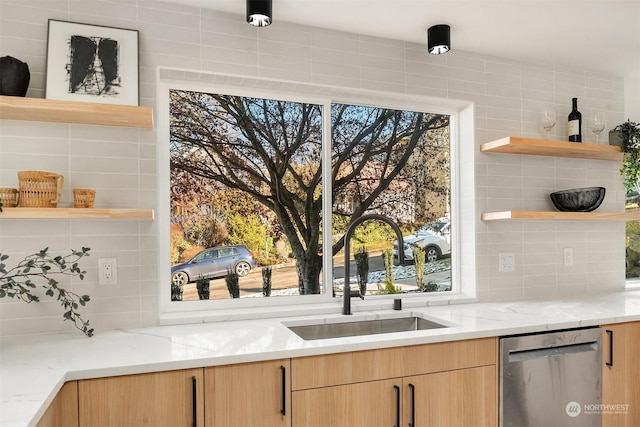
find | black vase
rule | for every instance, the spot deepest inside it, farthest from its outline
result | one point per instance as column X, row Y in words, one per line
column 14, row 76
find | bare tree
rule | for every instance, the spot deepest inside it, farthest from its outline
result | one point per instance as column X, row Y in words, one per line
column 271, row 150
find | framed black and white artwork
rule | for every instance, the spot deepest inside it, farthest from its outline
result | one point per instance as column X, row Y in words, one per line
column 92, row 63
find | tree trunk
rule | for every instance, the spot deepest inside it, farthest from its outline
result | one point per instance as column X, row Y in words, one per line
column 309, row 267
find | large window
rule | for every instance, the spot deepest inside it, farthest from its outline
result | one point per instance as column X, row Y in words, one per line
column 247, row 209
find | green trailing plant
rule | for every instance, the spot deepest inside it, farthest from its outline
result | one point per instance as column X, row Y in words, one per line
column 202, row 285
column 266, row 281
column 418, row 261
column 22, row 280
column 362, row 266
column 231, row 279
column 630, row 169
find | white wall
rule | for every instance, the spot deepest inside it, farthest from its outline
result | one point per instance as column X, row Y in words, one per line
column 121, row 163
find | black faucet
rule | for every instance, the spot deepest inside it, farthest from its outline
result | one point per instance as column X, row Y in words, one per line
column 346, row 308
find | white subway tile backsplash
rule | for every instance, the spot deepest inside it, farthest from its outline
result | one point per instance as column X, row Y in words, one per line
column 466, row 74
column 166, row 47
column 467, row 86
column 121, row 163
column 288, row 48
column 509, row 71
column 288, row 63
column 540, row 275
column 382, row 85
column 386, row 48
column 341, row 70
column 466, row 64
column 156, row 60
column 340, row 81
column 35, row 12
column 187, row 18
column 336, row 40
column 222, row 67
column 506, row 294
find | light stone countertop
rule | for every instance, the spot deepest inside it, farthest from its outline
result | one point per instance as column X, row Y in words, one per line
column 34, row 368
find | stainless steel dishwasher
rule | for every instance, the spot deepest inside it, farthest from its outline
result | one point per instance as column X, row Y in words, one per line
column 551, row 379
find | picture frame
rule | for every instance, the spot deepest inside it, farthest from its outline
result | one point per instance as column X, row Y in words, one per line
column 92, row 63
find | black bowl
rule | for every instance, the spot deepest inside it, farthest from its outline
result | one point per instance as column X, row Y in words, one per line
column 578, row 199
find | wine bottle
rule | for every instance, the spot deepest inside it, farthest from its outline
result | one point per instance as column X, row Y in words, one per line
column 574, row 125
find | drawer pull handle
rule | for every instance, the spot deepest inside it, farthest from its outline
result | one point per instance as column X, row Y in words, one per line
column 397, row 389
column 283, row 409
column 610, row 333
column 413, row 405
column 194, row 393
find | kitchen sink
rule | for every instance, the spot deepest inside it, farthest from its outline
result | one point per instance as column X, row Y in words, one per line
column 368, row 326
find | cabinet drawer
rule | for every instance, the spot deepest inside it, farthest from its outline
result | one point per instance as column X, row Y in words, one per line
column 370, row 365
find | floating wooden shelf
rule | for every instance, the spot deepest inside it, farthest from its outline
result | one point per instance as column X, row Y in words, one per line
column 559, row 216
column 75, row 213
column 545, row 147
column 87, row 113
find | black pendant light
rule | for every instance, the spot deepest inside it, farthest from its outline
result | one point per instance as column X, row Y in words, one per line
column 259, row 12
column 439, row 39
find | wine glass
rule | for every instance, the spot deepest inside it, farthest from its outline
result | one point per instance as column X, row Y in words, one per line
column 548, row 120
column 597, row 123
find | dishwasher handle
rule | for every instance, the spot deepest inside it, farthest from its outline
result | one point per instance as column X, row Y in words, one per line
column 537, row 353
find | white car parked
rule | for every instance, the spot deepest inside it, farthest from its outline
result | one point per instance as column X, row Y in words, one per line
column 434, row 238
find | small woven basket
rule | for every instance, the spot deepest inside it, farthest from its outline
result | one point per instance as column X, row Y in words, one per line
column 39, row 189
column 9, row 197
column 83, row 197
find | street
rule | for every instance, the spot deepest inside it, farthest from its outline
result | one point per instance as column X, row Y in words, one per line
column 285, row 277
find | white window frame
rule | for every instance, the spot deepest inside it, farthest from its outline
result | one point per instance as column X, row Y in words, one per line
column 462, row 190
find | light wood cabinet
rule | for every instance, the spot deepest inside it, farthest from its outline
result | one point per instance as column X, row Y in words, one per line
column 63, row 411
column 171, row 399
column 248, row 394
column 464, row 397
column 373, row 403
column 369, row 365
column 621, row 375
column 251, row 394
column 440, row 384
column 446, row 384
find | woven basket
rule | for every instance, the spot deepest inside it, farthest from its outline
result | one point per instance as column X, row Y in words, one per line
column 83, row 197
column 38, row 189
column 9, row 197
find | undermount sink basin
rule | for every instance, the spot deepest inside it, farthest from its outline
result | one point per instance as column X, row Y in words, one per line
column 340, row 328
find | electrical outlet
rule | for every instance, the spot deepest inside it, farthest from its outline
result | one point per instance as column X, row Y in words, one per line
column 506, row 262
column 568, row 257
column 107, row 271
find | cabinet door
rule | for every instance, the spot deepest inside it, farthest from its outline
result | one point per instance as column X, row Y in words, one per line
column 154, row 400
column 621, row 375
column 465, row 397
column 63, row 411
column 248, row 394
column 374, row 403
